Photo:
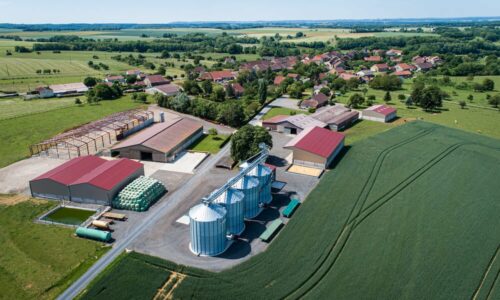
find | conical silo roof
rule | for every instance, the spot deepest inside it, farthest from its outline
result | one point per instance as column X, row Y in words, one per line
column 207, row 212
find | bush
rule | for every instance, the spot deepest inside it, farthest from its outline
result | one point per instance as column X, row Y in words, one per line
column 213, row 131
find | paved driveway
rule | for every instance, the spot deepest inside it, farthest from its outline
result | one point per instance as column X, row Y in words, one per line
column 286, row 103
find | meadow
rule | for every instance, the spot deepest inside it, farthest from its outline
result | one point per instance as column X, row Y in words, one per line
column 411, row 213
column 210, row 143
column 39, row 261
column 18, row 133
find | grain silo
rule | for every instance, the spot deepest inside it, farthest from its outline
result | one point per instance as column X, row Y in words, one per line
column 250, row 187
column 233, row 201
column 263, row 174
column 208, row 229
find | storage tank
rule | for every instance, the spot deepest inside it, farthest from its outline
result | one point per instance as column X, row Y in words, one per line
column 263, row 174
column 208, row 229
column 233, row 201
column 89, row 233
column 249, row 186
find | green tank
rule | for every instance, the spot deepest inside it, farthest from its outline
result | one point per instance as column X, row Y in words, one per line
column 103, row 236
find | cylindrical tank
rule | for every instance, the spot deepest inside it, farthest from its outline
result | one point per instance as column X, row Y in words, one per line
column 264, row 175
column 89, row 233
column 208, row 229
column 250, row 187
column 101, row 224
column 233, row 201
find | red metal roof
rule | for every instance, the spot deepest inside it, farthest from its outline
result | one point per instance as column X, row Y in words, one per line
column 383, row 109
column 110, row 173
column 275, row 119
column 317, row 140
column 73, row 169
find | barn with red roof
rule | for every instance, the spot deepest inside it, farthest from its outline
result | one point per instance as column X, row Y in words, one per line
column 316, row 147
column 88, row 179
column 379, row 113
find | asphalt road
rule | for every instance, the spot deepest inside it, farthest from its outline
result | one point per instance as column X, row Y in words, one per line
column 165, row 207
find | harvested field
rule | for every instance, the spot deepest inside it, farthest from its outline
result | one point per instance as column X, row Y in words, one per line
column 411, row 213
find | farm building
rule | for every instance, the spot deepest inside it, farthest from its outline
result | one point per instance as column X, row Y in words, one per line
column 94, row 136
column 160, row 142
column 379, row 113
column 218, row 76
column 291, row 124
column 88, row 179
column 155, row 80
column 316, row 147
column 44, row 92
column 316, row 101
column 68, row 88
column 337, row 117
column 165, row 89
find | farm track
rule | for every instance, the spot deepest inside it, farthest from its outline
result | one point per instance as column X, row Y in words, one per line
column 340, row 242
column 485, row 276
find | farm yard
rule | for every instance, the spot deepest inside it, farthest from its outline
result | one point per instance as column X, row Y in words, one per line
column 22, row 130
column 396, row 218
column 38, row 261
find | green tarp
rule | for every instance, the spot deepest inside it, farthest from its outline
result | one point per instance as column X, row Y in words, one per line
column 275, row 225
column 288, row 211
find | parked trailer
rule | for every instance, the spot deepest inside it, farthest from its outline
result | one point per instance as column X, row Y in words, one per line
column 94, row 234
column 115, row 216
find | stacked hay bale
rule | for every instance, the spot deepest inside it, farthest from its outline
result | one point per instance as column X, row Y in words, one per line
column 139, row 195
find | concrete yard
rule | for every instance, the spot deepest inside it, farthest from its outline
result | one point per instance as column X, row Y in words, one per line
column 170, row 239
column 187, row 163
column 15, row 177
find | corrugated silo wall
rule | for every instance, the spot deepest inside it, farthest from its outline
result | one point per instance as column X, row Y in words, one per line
column 264, row 176
column 251, row 199
column 208, row 238
column 235, row 215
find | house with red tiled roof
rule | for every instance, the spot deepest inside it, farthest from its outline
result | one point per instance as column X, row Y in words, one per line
column 379, row 113
column 238, row 89
column 374, row 58
column 154, row 80
column 316, row 147
column 218, row 76
column 380, row 68
column 279, row 79
column 405, row 67
column 394, row 52
column 348, row 76
column 403, row 74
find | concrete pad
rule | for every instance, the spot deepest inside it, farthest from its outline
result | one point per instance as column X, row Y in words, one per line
column 184, row 220
column 186, row 163
column 15, row 177
column 305, row 170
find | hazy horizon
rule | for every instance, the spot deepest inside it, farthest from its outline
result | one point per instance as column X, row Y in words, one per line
column 156, row 11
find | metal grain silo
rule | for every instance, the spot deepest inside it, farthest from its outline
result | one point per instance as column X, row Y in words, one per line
column 208, row 229
column 233, row 201
column 250, row 187
column 264, row 175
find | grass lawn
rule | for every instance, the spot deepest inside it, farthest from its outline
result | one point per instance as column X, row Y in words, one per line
column 39, row 261
column 16, row 107
column 210, row 143
column 484, row 121
column 17, row 134
column 276, row 111
column 411, row 213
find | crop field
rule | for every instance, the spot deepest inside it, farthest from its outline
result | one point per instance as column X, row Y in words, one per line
column 110, row 285
column 38, row 261
column 411, row 213
column 18, row 133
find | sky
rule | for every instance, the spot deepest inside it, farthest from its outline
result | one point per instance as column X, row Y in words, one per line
column 165, row 11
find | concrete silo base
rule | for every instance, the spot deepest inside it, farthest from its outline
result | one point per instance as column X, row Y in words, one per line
column 229, row 243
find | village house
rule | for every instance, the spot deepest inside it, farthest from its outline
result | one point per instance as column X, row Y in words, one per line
column 405, row 67
column 169, row 89
column 115, row 78
column 218, row 76
column 380, row 68
column 394, row 52
column 375, row 58
column 403, row 74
